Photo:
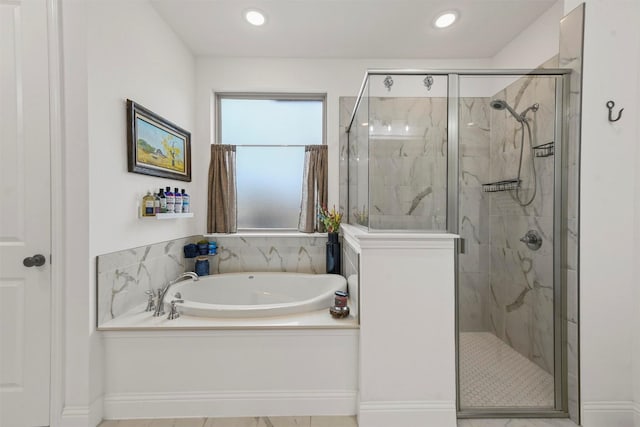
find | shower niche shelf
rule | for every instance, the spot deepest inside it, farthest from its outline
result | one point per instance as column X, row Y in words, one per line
column 544, row 150
column 504, row 185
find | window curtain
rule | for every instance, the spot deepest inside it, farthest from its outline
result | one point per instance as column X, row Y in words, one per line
column 314, row 188
column 222, row 215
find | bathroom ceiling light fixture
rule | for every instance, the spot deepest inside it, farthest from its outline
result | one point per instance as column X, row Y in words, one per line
column 445, row 19
column 255, row 17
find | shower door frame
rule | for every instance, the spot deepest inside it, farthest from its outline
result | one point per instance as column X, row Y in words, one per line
column 560, row 409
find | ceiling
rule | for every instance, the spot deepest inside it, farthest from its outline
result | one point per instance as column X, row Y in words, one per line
column 349, row 28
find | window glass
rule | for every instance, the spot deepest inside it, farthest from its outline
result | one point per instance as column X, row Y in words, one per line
column 270, row 135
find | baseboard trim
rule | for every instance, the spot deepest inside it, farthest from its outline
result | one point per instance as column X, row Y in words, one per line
column 610, row 413
column 407, row 414
column 229, row 404
column 75, row 416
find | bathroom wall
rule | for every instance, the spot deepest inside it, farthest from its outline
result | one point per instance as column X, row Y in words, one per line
column 298, row 254
column 336, row 77
column 608, row 176
column 125, row 50
column 535, row 44
column 407, row 168
column 133, row 54
column 123, row 277
column 521, row 313
column 474, row 294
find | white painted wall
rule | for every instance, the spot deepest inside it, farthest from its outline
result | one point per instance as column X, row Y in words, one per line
column 335, row 77
column 132, row 54
column 111, row 51
column 608, row 252
column 535, row 44
column 75, row 365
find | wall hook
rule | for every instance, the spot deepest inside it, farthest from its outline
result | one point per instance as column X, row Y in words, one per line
column 610, row 106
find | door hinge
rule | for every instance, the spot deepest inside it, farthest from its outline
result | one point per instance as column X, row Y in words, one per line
column 462, row 245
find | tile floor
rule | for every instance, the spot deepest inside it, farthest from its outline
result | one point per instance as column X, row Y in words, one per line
column 318, row 422
column 492, row 374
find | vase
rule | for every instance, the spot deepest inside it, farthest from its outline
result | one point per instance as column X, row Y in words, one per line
column 333, row 254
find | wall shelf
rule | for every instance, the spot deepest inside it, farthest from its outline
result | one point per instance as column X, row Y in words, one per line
column 169, row 216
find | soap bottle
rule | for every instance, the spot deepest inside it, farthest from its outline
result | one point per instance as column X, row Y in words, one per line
column 163, row 201
column 156, row 203
column 148, row 205
column 186, row 202
column 177, row 201
column 170, row 200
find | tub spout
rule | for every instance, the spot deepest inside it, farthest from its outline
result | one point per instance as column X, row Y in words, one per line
column 162, row 292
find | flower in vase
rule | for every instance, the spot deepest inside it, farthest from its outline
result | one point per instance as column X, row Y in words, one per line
column 330, row 218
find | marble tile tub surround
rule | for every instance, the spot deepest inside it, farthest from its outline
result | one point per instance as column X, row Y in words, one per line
column 297, row 253
column 124, row 276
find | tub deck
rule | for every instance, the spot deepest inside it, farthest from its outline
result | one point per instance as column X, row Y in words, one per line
column 137, row 319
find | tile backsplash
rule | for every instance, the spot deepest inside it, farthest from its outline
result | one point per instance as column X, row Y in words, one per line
column 124, row 276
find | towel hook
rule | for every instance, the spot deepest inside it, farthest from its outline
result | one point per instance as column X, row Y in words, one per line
column 610, row 106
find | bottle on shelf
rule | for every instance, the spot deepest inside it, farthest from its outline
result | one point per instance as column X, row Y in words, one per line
column 148, row 205
column 170, row 200
column 186, row 202
column 177, row 201
column 163, row 201
column 156, row 203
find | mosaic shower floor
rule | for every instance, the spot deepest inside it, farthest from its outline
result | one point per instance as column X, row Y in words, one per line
column 492, row 374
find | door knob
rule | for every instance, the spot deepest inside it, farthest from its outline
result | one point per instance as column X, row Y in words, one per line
column 36, row 260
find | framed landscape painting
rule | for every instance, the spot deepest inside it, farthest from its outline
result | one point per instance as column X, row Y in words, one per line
column 155, row 146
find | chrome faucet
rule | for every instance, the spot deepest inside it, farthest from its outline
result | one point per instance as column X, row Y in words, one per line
column 163, row 291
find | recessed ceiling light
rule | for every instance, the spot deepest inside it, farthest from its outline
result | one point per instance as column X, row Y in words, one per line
column 255, row 17
column 445, row 19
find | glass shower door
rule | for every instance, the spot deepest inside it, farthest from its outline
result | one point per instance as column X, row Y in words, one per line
column 509, row 305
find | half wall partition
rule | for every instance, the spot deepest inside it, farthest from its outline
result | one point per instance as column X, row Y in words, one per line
column 479, row 154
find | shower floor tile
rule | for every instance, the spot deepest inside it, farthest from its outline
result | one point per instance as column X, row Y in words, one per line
column 493, row 375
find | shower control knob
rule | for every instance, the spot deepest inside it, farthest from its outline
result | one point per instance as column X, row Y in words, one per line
column 532, row 239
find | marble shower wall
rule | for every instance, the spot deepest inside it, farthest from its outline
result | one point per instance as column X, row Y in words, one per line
column 474, row 265
column 520, row 310
column 408, row 163
column 406, row 156
column 124, row 276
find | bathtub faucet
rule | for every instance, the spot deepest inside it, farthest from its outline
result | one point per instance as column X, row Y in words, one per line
column 163, row 291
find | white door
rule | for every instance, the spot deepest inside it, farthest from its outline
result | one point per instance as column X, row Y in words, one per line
column 24, row 214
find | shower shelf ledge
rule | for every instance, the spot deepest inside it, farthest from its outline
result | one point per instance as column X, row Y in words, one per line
column 504, row 185
column 544, row 150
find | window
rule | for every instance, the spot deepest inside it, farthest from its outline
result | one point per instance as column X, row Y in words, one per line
column 270, row 132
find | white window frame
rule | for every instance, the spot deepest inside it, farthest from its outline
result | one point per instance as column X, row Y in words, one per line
column 219, row 96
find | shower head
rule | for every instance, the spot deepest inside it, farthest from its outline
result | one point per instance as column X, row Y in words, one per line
column 499, row 104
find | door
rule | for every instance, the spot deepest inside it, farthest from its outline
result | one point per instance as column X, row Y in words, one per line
column 24, row 214
column 510, row 359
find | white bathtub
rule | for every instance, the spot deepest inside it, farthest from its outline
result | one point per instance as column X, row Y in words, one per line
column 256, row 294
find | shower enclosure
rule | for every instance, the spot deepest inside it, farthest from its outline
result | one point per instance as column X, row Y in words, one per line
column 478, row 154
